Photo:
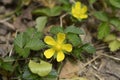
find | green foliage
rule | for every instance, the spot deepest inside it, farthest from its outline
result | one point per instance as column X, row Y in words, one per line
column 20, row 40
column 35, row 44
column 73, row 29
column 65, row 5
column 92, row 1
column 56, row 29
column 109, row 38
column 103, row 30
column 24, row 52
column 113, row 42
column 55, row 11
column 115, row 3
column 101, row 16
column 7, row 64
column 40, row 23
column 29, row 44
column 115, row 22
column 26, row 41
column 42, row 69
column 114, row 45
column 74, row 39
column 107, row 19
column 28, row 75
column 89, row 48
column 77, row 52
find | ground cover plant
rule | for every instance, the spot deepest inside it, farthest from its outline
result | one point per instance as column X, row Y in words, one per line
column 59, row 39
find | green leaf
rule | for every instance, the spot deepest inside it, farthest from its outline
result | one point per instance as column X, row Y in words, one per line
column 40, row 23
column 115, row 3
column 115, row 22
column 42, row 69
column 103, row 30
column 51, row 76
column 32, row 33
column 109, row 38
column 26, row 2
column 28, row 75
column 77, row 52
column 89, row 48
column 7, row 65
column 8, row 59
column 74, row 39
column 73, row 29
column 56, row 29
column 55, row 11
column 92, row 1
column 20, row 40
column 66, row 6
column 114, row 45
column 35, row 44
column 24, row 52
column 101, row 16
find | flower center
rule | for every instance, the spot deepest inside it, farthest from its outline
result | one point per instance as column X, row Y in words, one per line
column 58, row 47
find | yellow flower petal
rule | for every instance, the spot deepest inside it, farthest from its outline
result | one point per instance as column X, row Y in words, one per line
column 84, row 9
column 79, row 11
column 49, row 53
column 67, row 47
column 49, row 40
column 83, row 16
column 60, row 37
column 60, row 56
column 77, row 5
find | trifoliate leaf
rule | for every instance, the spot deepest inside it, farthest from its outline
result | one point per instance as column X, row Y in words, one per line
column 40, row 23
column 56, row 29
column 103, row 30
column 35, row 44
column 109, row 38
column 73, row 29
column 42, row 69
column 74, row 39
column 115, row 3
column 101, row 16
column 114, row 45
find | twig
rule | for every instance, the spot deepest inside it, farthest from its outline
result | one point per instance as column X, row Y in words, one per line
column 10, row 53
column 4, row 21
column 61, row 18
column 91, row 60
column 118, row 59
column 98, row 76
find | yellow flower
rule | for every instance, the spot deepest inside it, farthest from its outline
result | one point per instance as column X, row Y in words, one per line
column 79, row 11
column 57, row 47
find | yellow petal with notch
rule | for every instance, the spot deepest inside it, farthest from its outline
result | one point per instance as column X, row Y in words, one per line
column 49, row 40
column 49, row 53
column 60, row 56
